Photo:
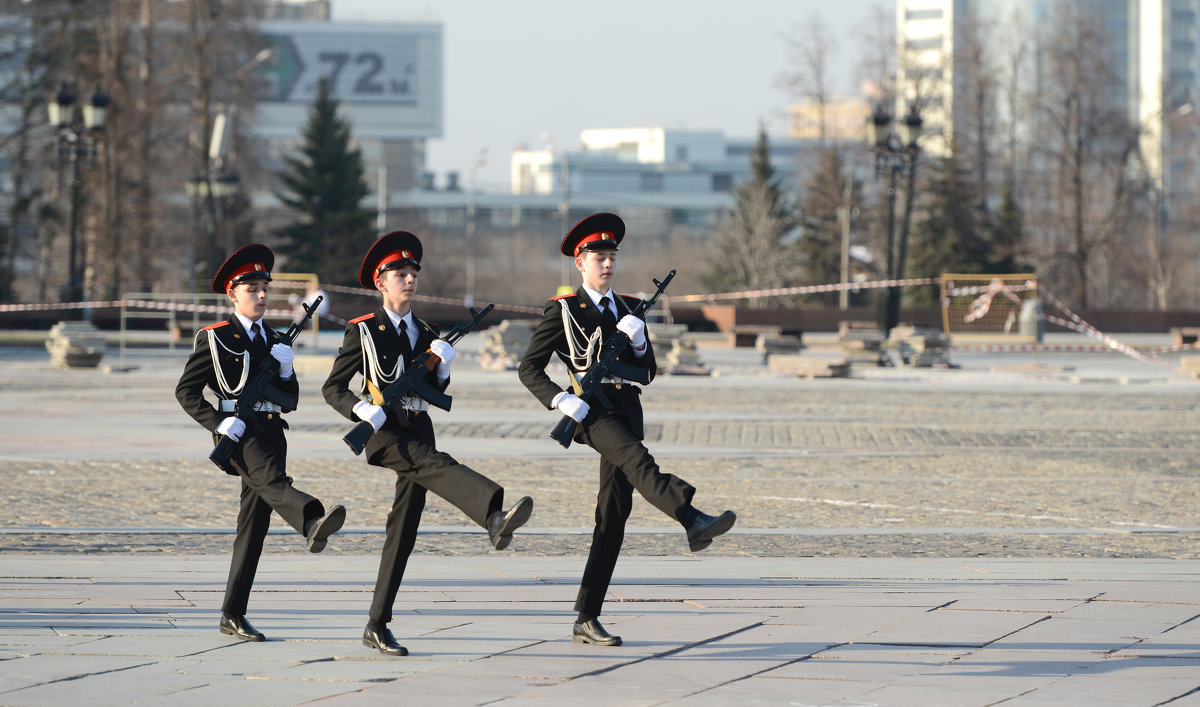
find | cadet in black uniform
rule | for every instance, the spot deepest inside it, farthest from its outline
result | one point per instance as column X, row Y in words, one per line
column 225, row 357
column 379, row 347
column 575, row 327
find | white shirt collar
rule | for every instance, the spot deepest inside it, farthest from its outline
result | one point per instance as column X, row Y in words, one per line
column 409, row 323
column 248, row 323
column 596, row 297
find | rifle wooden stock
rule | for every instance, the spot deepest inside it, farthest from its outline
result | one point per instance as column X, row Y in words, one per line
column 259, row 387
column 357, row 438
column 606, row 363
column 410, row 381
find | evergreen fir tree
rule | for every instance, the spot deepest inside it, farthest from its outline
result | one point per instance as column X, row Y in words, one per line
column 325, row 186
column 947, row 237
column 750, row 251
column 820, row 245
column 1008, row 235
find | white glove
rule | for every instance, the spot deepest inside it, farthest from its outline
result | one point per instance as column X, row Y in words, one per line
column 284, row 354
column 443, row 350
column 572, row 406
column 634, row 328
column 232, row 427
column 373, row 414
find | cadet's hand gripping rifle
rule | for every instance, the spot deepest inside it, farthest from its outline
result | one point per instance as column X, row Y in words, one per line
column 412, row 381
column 258, row 388
column 606, row 363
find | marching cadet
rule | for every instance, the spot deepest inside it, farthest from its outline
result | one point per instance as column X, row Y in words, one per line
column 380, row 346
column 225, row 358
column 575, row 326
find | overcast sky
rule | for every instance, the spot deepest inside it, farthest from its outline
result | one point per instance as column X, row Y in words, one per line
column 518, row 70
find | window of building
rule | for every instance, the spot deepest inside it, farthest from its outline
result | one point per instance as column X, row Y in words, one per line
column 652, row 182
column 926, row 43
column 933, row 14
column 722, row 183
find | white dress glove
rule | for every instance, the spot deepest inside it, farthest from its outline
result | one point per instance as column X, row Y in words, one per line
column 233, row 428
column 373, row 414
column 572, row 406
column 284, row 354
column 634, row 328
column 443, row 350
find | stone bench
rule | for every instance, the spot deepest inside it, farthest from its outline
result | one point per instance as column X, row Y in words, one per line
column 1185, row 335
column 769, row 345
column 75, row 345
column 745, row 335
column 504, row 344
column 921, row 347
column 809, row 366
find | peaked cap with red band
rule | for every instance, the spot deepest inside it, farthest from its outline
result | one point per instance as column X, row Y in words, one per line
column 249, row 263
column 596, row 232
column 389, row 252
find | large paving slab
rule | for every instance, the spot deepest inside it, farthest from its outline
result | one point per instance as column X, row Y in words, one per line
column 495, row 629
column 997, row 532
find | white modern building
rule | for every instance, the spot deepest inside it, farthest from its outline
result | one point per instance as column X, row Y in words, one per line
column 680, row 169
column 1153, row 46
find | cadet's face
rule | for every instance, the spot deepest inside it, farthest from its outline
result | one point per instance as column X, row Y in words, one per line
column 250, row 298
column 598, row 268
column 398, row 286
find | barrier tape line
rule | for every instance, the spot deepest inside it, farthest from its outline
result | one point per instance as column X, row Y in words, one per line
column 361, row 292
column 1072, row 322
column 804, row 290
column 1076, row 323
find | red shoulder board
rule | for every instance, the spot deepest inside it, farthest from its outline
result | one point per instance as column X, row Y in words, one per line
column 555, row 299
column 215, row 326
column 363, row 318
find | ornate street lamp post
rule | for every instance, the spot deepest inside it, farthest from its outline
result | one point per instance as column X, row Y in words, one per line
column 895, row 154
column 78, row 137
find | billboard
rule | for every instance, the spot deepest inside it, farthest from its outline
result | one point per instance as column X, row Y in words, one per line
column 388, row 77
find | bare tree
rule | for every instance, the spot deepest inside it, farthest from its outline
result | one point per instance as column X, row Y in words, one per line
column 1086, row 144
column 876, row 69
column 811, row 49
column 975, row 72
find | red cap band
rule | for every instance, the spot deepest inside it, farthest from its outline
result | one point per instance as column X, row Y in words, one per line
column 599, row 236
column 393, row 257
column 246, row 270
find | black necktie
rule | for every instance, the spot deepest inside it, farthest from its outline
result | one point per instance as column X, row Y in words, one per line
column 607, row 317
column 260, row 341
column 405, row 343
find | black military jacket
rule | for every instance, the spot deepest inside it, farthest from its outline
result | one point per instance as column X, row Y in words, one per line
column 551, row 337
column 353, row 359
column 235, row 365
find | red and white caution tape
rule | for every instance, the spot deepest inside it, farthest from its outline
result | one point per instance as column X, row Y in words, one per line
column 425, row 298
column 805, row 289
column 983, row 302
column 1075, row 323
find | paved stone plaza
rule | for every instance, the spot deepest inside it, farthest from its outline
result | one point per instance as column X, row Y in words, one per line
column 1021, row 527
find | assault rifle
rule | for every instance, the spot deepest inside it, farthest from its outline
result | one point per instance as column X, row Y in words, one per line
column 412, row 381
column 588, row 388
column 259, row 388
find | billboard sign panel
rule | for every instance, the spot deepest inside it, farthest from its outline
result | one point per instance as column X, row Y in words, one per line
column 387, row 77
column 377, row 68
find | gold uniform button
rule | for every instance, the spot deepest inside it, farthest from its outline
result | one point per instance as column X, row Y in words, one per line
column 270, row 416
